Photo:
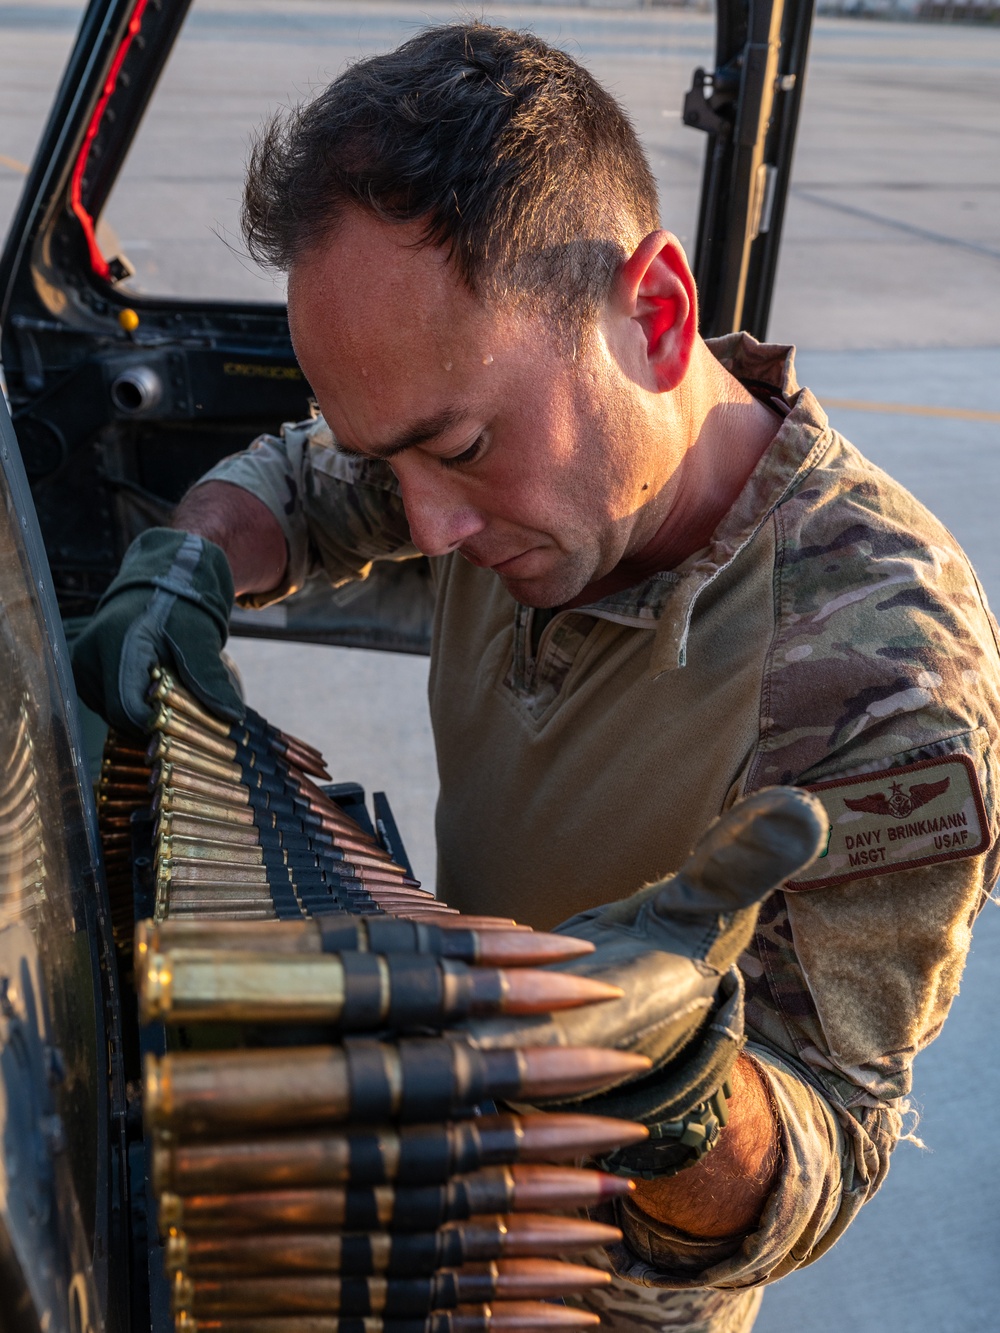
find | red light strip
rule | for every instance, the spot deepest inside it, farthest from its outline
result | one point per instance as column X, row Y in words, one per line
column 97, row 261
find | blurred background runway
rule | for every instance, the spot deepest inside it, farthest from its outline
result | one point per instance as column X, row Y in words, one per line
column 890, row 286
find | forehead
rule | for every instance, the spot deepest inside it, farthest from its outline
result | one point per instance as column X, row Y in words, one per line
column 385, row 330
column 374, row 285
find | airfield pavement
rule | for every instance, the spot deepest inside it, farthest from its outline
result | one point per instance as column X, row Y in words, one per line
column 889, row 284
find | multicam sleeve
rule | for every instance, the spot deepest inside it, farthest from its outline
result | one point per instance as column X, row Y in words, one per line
column 338, row 513
column 882, row 695
column 798, row 1216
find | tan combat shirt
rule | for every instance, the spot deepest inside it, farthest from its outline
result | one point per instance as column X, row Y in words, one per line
column 832, row 628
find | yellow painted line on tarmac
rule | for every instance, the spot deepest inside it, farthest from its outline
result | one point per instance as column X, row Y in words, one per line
column 13, row 163
column 911, row 409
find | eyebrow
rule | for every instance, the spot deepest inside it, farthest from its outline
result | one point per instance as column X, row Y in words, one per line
column 418, row 432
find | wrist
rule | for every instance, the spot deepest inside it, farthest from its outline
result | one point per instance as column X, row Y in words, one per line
column 675, row 1144
column 724, row 1193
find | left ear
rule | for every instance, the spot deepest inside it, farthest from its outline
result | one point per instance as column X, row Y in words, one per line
column 655, row 291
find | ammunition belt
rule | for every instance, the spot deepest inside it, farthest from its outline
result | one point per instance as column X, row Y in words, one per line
column 345, row 1177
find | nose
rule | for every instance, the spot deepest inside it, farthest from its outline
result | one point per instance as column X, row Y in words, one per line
column 439, row 515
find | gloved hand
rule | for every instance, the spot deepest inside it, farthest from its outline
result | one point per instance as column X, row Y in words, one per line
column 169, row 604
column 672, row 948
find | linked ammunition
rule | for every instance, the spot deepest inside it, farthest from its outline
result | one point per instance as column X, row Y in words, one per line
column 237, row 833
column 165, row 688
column 452, row 919
column 239, row 746
column 330, row 842
column 274, row 905
column 369, row 1081
column 170, row 800
column 135, row 794
column 415, row 1254
column 505, row 1278
column 185, row 870
column 500, row 1189
column 494, row 947
column 267, row 830
column 408, row 1155
column 226, row 792
column 167, row 691
column 358, row 992
column 496, row 1317
column 219, row 833
column 126, row 773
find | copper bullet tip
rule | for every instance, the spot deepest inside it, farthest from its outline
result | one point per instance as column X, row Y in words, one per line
column 523, row 948
column 531, row 991
column 548, row 1187
column 543, row 1277
column 556, row 1137
column 537, row 1233
column 526, row 1317
column 561, row 1071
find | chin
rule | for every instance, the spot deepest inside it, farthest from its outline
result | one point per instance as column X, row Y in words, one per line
column 546, row 590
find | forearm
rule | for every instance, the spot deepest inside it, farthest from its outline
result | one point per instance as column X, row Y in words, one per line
column 724, row 1194
column 243, row 526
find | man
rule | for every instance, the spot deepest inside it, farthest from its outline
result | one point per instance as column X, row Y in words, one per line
column 662, row 583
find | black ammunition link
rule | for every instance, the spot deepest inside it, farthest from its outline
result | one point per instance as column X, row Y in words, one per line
column 430, row 1154
column 365, row 1006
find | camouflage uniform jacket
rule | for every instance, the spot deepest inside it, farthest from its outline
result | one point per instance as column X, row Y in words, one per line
column 832, row 629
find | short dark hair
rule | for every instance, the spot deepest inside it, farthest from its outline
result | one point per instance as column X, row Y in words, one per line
column 516, row 160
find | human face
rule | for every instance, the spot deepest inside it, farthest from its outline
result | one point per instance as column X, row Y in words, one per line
column 508, row 449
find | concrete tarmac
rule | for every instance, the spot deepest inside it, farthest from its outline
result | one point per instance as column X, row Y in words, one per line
column 889, row 283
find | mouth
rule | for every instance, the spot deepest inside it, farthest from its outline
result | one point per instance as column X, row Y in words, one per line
column 509, row 565
column 483, row 561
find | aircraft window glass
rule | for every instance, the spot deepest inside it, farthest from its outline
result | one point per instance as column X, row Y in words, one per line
column 47, row 871
column 35, row 42
column 174, row 212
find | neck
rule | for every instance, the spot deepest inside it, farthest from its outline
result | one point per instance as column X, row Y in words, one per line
column 735, row 434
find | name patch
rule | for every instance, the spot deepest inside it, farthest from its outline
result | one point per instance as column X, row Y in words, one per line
column 898, row 818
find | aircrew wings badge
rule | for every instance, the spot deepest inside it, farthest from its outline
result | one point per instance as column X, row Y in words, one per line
column 915, row 815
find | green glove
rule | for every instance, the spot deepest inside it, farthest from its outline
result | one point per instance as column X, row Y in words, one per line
column 170, row 604
column 672, row 948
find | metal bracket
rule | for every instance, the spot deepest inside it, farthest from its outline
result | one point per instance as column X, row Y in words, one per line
column 698, row 112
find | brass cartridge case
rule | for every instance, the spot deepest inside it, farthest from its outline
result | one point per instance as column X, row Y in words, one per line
column 172, row 723
column 171, row 800
column 496, row 1317
column 121, row 786
column 127, row 768
column 384, row 1153
column 220, row 911
column 493, row 947
column 171, row 870
column 166, row 689
column 481, row 1239
column 169, row 750
column 182, row 779
column 262, row 1213
column 215, row 894
column 211, row 985
column 111, row 803
column 307, row 1294
column 230, row 1091
column 202, row 829
column 220, row 985
column 202, row 849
